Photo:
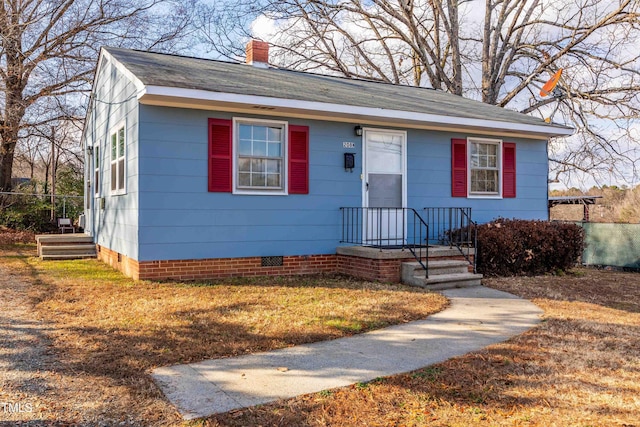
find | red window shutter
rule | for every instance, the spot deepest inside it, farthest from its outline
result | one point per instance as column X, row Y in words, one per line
column 220, row 152
column 508, row 169
column 458, row 167
column 298, row 160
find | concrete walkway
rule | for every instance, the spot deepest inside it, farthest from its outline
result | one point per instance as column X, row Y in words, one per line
column 476, row 318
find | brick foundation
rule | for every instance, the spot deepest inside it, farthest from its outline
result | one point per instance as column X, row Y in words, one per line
column 378, row 266
column 129, row 267
column 377, row 270
column 215, row 268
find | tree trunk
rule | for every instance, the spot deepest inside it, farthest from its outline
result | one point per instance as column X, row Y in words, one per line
column 487, row 92
column 8, row 141
column 6, row 166
column 14, row 84
column 14, row 113
column 454, row 40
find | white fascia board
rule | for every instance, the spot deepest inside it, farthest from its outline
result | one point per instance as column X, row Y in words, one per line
column 89, row 112
column 440, row 121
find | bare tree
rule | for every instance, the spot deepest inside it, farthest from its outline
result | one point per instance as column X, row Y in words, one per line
column 26, row 157
column 48, row 50
column 220, row 30
column 498, row 51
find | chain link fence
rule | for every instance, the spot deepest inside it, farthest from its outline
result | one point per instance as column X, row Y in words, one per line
column 38, row 212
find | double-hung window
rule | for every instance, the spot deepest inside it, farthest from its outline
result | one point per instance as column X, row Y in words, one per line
column 484, row 165
column 260, row 156
column 118, row 160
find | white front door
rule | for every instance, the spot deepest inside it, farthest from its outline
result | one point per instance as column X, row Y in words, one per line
column 384, row 186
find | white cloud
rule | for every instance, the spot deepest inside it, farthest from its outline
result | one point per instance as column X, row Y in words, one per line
column 263, row 28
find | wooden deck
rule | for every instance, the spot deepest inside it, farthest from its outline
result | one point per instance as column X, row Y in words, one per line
column 65, row 246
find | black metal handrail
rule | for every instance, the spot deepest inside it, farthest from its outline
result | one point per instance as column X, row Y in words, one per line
column 401, row 228
column 472, row 239
column 453, row 227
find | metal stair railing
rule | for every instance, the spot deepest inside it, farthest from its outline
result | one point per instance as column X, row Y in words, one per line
column 453, row 227
column 400, row 228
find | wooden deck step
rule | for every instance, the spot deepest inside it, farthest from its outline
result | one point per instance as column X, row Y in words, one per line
column 67, row 256
column 65, row 246
column 60, row 239
column 68, row 249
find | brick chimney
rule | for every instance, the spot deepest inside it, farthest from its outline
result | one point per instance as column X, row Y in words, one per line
column 258, row 53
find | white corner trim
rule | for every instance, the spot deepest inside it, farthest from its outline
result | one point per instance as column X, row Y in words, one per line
column 322, row 107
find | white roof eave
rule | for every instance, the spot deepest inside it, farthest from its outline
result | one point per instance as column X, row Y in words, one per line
column 196, row 98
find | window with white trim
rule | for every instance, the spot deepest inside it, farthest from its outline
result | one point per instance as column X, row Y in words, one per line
column 96, row 170
column 484, row 167
column 118, row 160
column 260, row 156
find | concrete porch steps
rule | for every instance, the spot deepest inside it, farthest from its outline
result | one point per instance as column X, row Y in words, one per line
column 443, row 274
column 65, row 246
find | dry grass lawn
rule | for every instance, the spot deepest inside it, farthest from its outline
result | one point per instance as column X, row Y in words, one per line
column 107, row 332
column 102, row 333
column 580, row 367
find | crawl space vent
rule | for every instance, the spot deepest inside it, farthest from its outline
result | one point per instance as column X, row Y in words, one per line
column 272, row 261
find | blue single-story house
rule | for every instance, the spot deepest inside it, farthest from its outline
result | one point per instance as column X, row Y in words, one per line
column 200, row 168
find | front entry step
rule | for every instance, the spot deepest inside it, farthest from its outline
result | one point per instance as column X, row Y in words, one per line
column 443, row 274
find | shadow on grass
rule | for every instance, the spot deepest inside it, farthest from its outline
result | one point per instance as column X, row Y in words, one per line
column 567, row 371
column 124, row 355
column 532, row 377
column 322, row 280
column 529, row 372
column 26, row 350
column 123, row 352
column 23, row 347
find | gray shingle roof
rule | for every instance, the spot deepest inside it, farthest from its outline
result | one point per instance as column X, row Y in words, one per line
column 155, row 69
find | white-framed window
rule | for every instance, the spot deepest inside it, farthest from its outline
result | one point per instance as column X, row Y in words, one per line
column 96, row 170
column 117, row 145
column 260, row 156
column 485, row 164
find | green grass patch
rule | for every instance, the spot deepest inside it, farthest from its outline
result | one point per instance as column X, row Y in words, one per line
column 86, row 269
column 430, row 374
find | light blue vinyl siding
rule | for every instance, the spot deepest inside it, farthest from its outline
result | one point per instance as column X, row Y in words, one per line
column 179, row 219
column 115, row 102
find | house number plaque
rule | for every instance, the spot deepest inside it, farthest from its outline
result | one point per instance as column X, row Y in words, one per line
column 348, row 145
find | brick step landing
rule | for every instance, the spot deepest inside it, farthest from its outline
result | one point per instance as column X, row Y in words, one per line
column 385, row 265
